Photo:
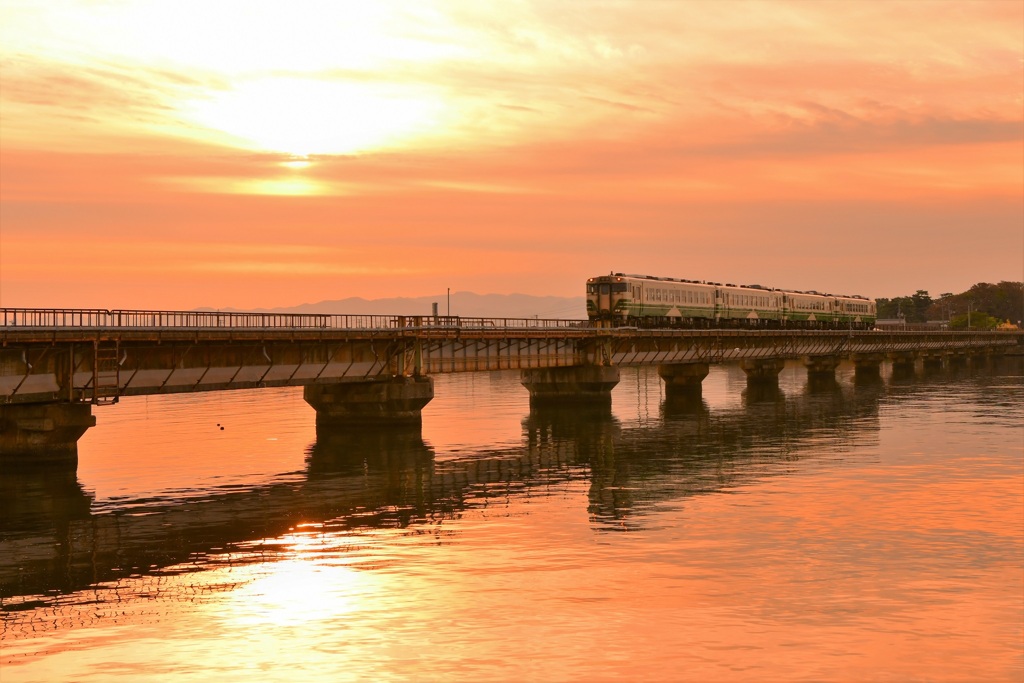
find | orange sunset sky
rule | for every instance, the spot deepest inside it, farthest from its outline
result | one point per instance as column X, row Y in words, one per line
column 238, row 153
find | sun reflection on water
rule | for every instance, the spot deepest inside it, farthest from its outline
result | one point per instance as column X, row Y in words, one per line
column 311, row 582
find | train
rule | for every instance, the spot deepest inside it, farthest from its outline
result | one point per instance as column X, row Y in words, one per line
column 620, row 300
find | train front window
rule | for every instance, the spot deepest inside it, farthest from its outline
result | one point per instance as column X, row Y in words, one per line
column 604, row 289
column 620, row 287
column 591, row 289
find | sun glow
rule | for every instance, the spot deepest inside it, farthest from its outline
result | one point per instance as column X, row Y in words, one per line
column 300, row 116
column 298, row 591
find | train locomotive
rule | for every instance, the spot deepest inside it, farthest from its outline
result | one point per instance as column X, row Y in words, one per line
column 620, row 300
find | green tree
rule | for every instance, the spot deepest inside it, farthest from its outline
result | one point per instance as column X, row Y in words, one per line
column 920, row 304
column 886, row 308
column 979, row 321
column 1004, row 301
column 912, row 309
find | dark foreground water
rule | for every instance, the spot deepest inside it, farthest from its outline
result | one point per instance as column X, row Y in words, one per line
column 852, row 532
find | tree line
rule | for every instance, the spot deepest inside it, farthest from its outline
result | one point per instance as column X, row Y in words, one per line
column 988, row 305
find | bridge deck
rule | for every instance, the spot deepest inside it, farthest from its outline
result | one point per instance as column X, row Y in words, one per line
column 91, row 355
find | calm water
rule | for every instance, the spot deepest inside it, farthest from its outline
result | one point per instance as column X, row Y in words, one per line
column 842, row 533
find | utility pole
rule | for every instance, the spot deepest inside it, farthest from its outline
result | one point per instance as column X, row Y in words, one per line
column 449, row 302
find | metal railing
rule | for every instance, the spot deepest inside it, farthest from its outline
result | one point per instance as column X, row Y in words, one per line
column 96, row 318
column 48, row 319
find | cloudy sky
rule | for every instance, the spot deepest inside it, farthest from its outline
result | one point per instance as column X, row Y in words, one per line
column 239, row 153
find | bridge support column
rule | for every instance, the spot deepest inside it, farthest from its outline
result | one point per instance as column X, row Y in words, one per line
column 867, row 365
column 934, row 360
column 683, row 380
column 982, row 359
column 43, row 432
column 763, row 370
column 903, row 364
column 387, row 400
column 582, row 383
column 821, row 372
column 821, row 365
column 957, row 359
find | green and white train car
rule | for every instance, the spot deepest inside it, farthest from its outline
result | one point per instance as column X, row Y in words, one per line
column 646, row 301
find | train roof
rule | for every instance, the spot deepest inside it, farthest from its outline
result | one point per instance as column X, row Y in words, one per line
column 719, row 284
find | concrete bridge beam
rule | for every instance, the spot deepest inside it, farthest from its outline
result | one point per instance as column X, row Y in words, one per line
column 582, row 383
column 762, row 370
column 389, row 400
column 43, row 432
column 683, row 379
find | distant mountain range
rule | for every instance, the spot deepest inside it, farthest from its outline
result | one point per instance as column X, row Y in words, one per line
column 465, row 304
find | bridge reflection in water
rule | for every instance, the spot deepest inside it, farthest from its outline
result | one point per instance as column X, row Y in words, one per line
column 53, row 542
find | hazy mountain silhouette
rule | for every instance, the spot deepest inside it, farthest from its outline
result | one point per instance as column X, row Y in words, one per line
column 465, row 304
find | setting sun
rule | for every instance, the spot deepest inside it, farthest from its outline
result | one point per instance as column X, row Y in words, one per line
column 304, row 116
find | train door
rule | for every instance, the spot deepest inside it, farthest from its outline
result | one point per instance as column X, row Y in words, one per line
column 604, row 298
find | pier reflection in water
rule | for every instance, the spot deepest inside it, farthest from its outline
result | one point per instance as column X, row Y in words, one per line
column 762, row 520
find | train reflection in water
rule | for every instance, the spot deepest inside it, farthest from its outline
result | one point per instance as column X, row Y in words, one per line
column 52, row 542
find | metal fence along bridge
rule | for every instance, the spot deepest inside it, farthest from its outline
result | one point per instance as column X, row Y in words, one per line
column 55, row 364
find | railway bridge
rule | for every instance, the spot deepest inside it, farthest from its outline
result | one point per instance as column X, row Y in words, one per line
column 56, row 364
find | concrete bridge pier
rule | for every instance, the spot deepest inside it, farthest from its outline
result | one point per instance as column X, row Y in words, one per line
column 956, row 359
column 763, row 370
column 762, row 379
column 934, row 361
column 821, row 365
column 821, row 372
column 903, row 364
column 581, row 383
column 867, row 366
column 375, row 401
column 683, row 380
column 43, row 432
column 984, row 359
